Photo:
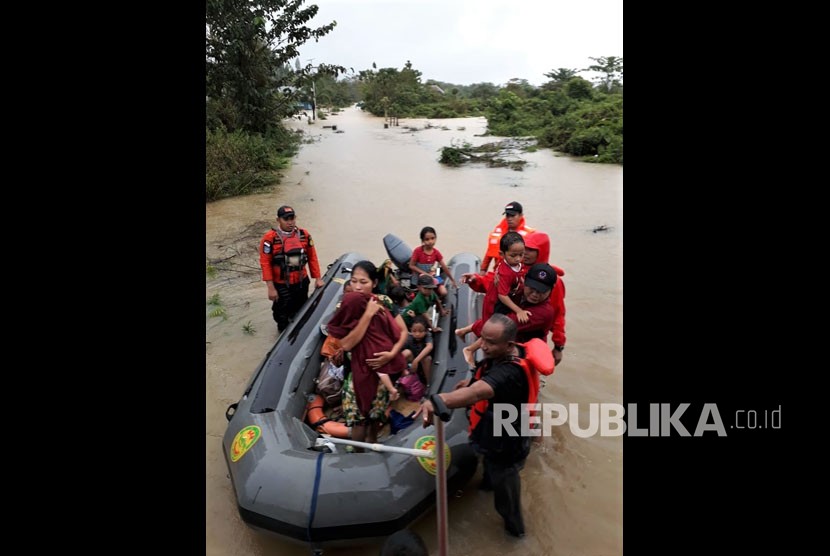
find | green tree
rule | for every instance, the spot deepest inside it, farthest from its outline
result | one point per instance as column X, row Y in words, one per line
column 249, row 43
column 579, row 88
column 402, row 90
column 520, row 87
column 611, row 66
column 558, row 78
column 561, row 75
column 483, row 91
column 333, row 92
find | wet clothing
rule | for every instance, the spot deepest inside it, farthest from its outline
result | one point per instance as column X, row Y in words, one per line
column 289, row 301
column 503, row 456
column 494, row 239
column 283, row 257
column 382, row 334
column 507, row 492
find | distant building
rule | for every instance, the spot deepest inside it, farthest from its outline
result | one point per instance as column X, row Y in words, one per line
column 436, row 88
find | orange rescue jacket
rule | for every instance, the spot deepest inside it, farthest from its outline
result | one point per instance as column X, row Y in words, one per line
column 284, row 260
column 494, row 238
column 537, row 359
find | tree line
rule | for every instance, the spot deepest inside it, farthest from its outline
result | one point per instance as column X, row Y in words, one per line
column 254, row 80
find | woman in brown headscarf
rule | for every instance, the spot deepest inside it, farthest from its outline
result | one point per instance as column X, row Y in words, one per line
column 373, row 337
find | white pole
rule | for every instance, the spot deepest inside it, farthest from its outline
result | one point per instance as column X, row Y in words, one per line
column 381, row 447
column 313, row 101
column 441, row 488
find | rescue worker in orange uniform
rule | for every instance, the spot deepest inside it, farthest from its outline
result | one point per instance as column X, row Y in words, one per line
column 284, row 254
column 501, row 378
column 513, row 221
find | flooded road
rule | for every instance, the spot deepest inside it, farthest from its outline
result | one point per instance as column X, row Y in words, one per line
column 349, row 189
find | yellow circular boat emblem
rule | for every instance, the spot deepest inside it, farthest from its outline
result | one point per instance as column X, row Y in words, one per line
column 243, row 441
column 430, row 464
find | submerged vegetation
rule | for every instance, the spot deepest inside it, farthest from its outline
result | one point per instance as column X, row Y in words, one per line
column 568, row 113
column 237, row 163
column 496, row 155
column 216, row 309
column 254, row 80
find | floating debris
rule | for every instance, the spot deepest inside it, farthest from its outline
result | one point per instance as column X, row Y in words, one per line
column 501, row 154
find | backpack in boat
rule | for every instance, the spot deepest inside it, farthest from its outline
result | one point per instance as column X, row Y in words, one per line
column 330, row 383
column 412, row 387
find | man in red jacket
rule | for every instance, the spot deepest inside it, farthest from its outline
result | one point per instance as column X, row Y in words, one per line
column 513, row 221
column 537, row 250
column 284, row 254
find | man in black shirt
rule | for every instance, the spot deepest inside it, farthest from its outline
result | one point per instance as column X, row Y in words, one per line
column 499, row 379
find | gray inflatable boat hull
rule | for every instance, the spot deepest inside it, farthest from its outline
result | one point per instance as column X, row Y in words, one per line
column 284, row 485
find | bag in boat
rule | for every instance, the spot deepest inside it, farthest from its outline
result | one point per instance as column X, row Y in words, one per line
column 412, row 387
column 332, row 350
column 330, row 383
column 398, row 422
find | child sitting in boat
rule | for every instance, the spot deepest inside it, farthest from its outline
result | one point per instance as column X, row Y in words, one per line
column 426, row 260
column 418, row 349
column 425, row 299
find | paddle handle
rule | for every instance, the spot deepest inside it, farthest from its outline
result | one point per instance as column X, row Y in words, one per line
column 441, row 486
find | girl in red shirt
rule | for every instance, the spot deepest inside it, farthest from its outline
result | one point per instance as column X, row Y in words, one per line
column 426, row 259
column 504, row 293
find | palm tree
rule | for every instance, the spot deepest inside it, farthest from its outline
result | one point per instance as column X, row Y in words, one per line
column 610, row 66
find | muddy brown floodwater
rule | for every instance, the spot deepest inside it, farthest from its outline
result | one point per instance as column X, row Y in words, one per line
column 350, row 189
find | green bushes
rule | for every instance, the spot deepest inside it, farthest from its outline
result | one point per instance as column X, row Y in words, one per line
column 613, row 152
column 451, row 156
column 592, row 129
column 238, row 163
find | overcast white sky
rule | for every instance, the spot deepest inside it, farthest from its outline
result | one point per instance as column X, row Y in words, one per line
column 468, row 41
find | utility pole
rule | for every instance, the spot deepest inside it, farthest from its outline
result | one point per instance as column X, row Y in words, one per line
column 313, row 101
column 313, row 94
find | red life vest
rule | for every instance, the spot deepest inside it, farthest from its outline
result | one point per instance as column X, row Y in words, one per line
column 289, row 256
column 538, row 359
